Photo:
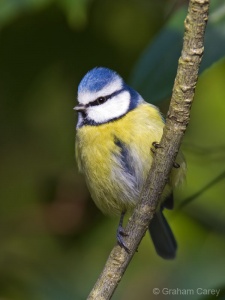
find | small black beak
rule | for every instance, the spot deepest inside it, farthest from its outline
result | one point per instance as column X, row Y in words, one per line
column 80, row 108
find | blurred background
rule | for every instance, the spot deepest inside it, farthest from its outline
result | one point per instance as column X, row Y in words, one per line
column 53, row 240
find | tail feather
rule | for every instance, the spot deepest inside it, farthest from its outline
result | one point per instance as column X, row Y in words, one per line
column 162, row 236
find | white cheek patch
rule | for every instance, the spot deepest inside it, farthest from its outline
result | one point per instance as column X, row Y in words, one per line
column 86, row 97
column 111, row 109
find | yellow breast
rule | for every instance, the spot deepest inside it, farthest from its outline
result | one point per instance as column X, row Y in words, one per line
column 115, row 157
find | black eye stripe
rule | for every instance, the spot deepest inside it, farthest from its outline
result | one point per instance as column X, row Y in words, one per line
column 99, row 101
column 103, row 99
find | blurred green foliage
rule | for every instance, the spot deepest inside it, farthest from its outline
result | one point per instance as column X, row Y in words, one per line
column 163, row 64
column 54, row 242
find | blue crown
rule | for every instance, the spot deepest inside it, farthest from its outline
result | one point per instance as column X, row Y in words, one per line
column 96, row 79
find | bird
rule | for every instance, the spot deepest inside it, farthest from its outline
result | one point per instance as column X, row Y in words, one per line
column 116, row 129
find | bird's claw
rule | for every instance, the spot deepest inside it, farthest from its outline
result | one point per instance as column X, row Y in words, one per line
column 120, row 234
column 176, row 165
column 156, row 145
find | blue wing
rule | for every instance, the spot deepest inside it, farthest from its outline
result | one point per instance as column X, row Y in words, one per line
column 125, row 157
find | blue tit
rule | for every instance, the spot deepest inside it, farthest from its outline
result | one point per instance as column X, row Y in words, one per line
column 115, row 132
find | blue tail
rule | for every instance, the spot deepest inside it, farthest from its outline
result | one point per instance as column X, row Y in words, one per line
column 162, row 236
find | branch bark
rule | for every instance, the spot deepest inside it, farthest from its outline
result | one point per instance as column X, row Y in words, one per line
column 176, row 123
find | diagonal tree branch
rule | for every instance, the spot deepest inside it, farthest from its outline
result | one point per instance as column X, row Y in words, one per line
column 176, row 123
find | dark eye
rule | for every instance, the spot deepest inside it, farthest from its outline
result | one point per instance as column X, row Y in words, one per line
column 101, row 100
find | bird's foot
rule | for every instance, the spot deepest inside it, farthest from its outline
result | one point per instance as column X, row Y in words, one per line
column 156, row 145
column 121, row 233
